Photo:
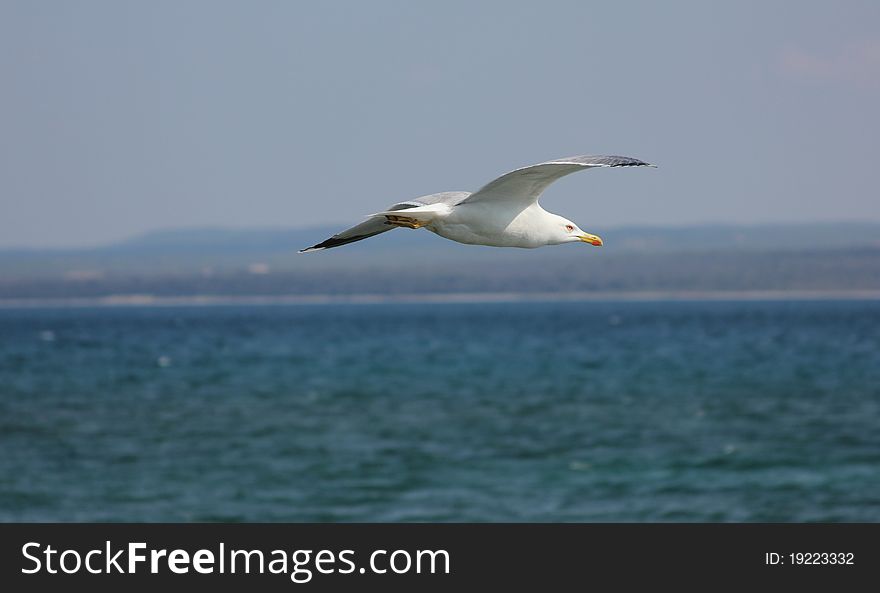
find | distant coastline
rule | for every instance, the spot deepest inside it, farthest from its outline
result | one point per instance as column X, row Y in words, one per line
column 207, row 267
column 147, row 300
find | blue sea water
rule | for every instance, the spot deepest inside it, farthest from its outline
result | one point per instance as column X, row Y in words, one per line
column 588, row 411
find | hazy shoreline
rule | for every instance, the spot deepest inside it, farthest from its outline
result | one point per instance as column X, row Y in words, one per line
column 147, row 300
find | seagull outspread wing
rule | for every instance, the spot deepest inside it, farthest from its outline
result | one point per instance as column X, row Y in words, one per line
column 525, row 185
column 368, row 228
column 376, row 223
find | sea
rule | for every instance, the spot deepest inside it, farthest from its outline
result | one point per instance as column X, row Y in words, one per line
column 591, row 411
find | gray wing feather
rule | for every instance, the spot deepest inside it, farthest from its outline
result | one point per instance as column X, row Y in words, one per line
column 598, row 160
column 525, row 185
column 376, row 225
column 446, row 197
column 368, row 228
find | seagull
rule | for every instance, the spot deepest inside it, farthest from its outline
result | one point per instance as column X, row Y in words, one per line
column 503, row 213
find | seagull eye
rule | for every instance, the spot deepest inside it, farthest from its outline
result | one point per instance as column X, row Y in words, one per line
column 569, row 228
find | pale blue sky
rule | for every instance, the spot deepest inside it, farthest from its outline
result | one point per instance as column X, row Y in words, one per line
column 122, row 117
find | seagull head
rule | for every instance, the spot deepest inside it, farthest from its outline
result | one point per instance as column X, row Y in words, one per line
column 566, row 231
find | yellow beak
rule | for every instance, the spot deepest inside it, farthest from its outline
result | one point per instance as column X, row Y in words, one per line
column 591, row 239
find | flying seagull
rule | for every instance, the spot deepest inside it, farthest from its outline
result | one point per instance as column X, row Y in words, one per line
column 503, row 213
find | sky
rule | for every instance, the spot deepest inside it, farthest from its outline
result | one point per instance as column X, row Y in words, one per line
column 119, row 118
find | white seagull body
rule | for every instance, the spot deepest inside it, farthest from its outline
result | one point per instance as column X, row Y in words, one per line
column 503, row 213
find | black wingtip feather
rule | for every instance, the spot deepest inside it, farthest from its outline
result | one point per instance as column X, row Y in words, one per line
column 334, row 242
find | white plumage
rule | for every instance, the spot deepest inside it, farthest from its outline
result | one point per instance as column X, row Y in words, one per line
column 503, row 213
